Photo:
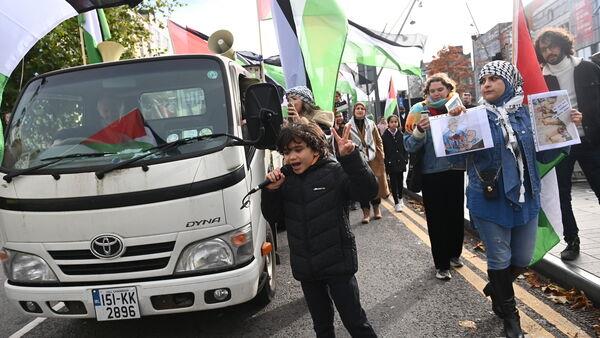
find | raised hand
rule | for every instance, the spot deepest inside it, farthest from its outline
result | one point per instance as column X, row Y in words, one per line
column 277, row 178
column 576, row 117
column 344, row 143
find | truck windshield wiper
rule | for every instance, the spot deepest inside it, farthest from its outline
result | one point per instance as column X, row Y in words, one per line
column 164, row 147
column 52, row 160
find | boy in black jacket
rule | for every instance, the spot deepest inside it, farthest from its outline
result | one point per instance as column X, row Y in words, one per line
column 313, row 199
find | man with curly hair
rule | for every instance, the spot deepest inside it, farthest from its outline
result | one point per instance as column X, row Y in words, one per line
column 581, row 79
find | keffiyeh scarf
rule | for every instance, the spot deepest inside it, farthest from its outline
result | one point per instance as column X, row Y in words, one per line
column 510, row 101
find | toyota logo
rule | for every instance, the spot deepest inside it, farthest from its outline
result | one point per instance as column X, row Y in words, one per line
column 107, row 246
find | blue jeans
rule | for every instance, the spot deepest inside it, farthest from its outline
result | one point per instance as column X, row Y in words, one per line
column 507, row 246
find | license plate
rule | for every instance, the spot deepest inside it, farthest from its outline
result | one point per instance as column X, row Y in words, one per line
column 116, row 304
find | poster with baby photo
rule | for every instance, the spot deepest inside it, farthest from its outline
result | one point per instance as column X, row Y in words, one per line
column 551, row 119
column 467, row 132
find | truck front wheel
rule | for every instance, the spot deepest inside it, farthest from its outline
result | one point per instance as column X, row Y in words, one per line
column 267, row 278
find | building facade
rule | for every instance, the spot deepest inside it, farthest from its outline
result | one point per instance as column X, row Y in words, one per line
column 491, row 45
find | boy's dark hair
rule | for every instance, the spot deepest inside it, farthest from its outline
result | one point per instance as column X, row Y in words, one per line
column 307, row 133
column 555, row 36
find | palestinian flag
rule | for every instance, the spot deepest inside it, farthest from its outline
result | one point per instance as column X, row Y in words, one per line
column 391, row 104
column 550, row 219
column 24, row 22
column 128, row 132
column 264, row 9
column 311, row 35
column 400, row 52
column 95, row 30
column 186, row 40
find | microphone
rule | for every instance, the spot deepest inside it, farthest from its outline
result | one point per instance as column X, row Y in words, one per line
column 285, row 170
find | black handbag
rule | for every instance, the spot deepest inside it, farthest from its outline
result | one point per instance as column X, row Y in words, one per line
column 414, row 177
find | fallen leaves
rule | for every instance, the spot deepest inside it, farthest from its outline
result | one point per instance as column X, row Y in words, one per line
column 573, row 297
column 479, row 247
column 468, row 324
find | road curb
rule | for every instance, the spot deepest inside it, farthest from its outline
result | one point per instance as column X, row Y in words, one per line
column 566, row 275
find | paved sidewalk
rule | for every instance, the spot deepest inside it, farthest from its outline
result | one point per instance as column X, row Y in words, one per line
column 584, row 272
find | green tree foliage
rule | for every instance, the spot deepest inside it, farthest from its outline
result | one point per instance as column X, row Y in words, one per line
column 61, row 48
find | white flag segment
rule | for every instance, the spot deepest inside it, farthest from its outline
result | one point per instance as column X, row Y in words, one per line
column 367, row 47
column 92, row 26
column 23, row 23
column 289, row 48
column 550, row 201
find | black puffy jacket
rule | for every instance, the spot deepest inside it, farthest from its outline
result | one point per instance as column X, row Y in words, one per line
column 314, row 205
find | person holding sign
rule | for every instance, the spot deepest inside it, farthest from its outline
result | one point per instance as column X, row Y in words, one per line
column 580, row 78
column 443, row 182
column 503, row 195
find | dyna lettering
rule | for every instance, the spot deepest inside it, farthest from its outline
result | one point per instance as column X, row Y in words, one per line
column 202, row 222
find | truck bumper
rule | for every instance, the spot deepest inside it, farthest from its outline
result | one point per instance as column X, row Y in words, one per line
column 242, row 283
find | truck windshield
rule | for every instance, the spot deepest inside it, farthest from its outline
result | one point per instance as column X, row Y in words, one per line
column 119, row 111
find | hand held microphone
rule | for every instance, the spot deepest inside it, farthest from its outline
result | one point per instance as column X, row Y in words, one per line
column 285, row 170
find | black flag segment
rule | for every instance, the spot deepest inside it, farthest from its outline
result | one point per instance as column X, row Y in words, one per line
column 86, row 5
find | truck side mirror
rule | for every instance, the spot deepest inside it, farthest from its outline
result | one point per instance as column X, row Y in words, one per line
column 263, row 115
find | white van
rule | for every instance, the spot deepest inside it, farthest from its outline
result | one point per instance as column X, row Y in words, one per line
column 123, row 184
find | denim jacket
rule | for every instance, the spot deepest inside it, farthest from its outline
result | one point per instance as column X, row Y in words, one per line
column 506, row 210
column 431, row 163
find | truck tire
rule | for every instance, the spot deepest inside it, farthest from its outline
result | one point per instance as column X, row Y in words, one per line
column 267, row 292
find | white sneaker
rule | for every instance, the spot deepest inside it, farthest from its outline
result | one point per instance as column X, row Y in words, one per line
column 443, row 274
column 399, row 206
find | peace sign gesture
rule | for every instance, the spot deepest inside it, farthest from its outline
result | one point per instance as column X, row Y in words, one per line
column 344, row 144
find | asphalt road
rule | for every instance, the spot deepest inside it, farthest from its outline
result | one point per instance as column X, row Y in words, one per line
column 398, row 291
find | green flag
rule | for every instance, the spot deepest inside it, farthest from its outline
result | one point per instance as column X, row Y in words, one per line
column 322, row 38
column 95, row 30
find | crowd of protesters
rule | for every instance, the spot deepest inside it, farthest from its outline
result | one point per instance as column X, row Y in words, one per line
column 363, row 161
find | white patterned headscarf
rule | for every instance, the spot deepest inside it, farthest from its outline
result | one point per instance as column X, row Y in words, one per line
column 303, row 93
column 511, row 75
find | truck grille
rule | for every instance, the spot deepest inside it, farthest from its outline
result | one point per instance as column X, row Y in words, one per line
column 98, row 269
column 107, row 267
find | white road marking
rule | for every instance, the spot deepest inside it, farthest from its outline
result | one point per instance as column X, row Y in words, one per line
column 32, row 324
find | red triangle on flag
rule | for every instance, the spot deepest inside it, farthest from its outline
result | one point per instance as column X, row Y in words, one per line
column 125, row 129
column 524, row 54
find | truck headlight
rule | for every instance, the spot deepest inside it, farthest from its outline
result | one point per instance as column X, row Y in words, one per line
column 24, row 267
column 229, row 249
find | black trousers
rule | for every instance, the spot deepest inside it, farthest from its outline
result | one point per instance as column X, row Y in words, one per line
column 396, row 180
column 443, row 198
column 588, row 157
column 344, row 293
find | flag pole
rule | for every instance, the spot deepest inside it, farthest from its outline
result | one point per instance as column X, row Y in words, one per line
column 81, row 43
column 260, row 46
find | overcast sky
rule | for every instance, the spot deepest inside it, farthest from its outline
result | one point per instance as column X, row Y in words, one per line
column 445, row 22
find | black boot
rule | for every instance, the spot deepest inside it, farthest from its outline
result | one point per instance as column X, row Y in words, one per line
column 502, row 285
column 489, row 291
column 572, row 250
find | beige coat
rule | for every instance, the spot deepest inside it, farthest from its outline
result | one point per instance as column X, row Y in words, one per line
column 378, row 164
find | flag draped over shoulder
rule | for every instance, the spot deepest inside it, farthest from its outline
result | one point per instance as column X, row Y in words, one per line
column 311, row 35
column 95, row 30
column 550, row 220
column 186, row 40
column 391, row 104
column 127, row 132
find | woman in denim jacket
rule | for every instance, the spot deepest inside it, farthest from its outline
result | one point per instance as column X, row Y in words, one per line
column 503, row 195
column 443, row 182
